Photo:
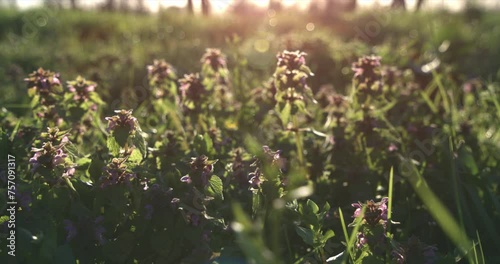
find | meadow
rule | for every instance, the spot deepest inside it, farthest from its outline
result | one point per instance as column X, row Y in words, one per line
column 250, row 137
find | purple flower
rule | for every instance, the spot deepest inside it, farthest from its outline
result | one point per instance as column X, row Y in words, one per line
column 71, row 230
column 124, row 119
column 375, row 212
column 367, row 73
column 59, row 157
column 160, row 72
column 81, row 89
column 292, row 60
column 116, row 173
column 192, row 90
column 214, row 58
column 45, row 83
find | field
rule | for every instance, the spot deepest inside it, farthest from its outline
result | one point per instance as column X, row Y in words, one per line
column 250, row 137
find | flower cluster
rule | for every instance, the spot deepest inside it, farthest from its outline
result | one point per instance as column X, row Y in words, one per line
column 373, row 224
column 160, row 72
column 116, row 173
column 201, row 171
column 123, row 119
column 367, row 73
column 214, row 59
column 193, row 92
column 44, row 83
column 376, row 213
column 81, row 89
column 52, row 155
column 291, row 75
column 46, row 87
column 273, row 158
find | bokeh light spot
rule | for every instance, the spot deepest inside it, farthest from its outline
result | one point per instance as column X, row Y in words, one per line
column 261, row 45
column 310, row 26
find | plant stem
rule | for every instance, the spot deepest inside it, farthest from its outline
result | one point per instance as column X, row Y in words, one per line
column 298, row 141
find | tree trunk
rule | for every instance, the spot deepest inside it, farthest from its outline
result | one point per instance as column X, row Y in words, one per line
column 190, row 7
column 419, row 5
column 398, row 4
column 205, row 7
column 73, row 4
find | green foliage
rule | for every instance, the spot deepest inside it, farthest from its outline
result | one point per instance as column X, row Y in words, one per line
column 248, row 161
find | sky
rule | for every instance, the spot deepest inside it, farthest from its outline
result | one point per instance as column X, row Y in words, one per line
column 221, row 5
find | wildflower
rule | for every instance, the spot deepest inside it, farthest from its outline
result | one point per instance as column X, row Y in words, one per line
column 81, row 89
column 116, row 172
column 55, row 136
column 45, row 84
column 201, row 171
column 275, row 157
column 192, row 90
column 123, row 119
column 160, row 72
column 214, row 58
column 375, row 212
column 255, row 179
column 292, row 60
column 47, row 156
column 367, row 73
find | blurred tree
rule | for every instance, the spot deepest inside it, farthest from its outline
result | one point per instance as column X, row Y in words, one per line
column 351, row 5
column 52, row 3
column 140, row 6
column 124, row 5
column 419, row 5
column 109, row 5
column 73, row 4
column 398, row 4
column 275, row 5
column 190, row 7
column 205, row 7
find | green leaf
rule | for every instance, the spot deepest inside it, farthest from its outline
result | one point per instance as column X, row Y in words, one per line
column 285, row 113
column 135, row 157
column 329, row 234
column 121, row 135
column 139, row 141
column 312, row 206
column 306, row 234
column 214, row 187
column 113, row 146
column 209, row 145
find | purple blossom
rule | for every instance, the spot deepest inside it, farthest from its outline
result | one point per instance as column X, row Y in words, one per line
column 375, row 212
column 123, row 118
column 116, row 173
column 367, row 72
column 292, row 60
column 81, row 89
column 160, row 71
column 214, row 58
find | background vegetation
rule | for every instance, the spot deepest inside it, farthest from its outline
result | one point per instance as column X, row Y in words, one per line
column 435, row 122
